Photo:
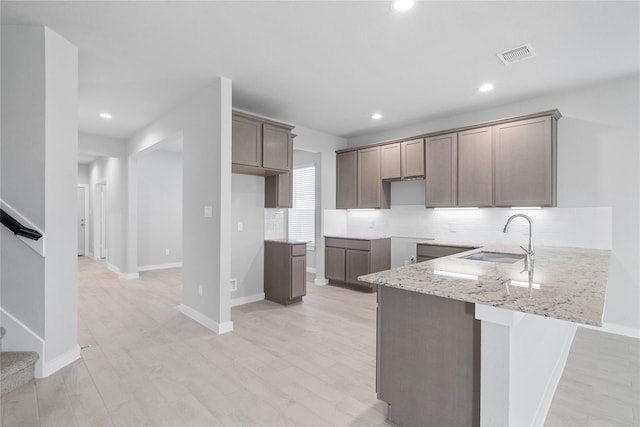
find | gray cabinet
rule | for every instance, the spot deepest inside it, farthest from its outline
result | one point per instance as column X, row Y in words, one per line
column 427, row 359
column 475, row 167
column 372, row 191
column 278, row 189
column 346, row 259
column 259, row 146
column 358, row 182
column 285, row 270
column 402, row 160
column 275, row 147
column 246, row 141
column 525, row 162
column 427, row 252
column 413, row 159
column 441, row 168
column 346, row 180
column 390, row 161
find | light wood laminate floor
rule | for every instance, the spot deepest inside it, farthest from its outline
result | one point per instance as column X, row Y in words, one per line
column 309, row 364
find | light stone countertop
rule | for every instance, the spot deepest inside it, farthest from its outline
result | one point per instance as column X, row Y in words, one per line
column 357, row 236
column 568, row 283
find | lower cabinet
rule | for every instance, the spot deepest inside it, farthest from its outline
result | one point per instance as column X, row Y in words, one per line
column 426, row 252
column 427, row 359
column 347, row 258
column 285, row 271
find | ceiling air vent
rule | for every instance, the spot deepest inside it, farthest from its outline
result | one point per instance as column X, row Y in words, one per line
column 516, row 54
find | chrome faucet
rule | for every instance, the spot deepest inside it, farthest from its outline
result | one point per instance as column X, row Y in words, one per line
column 529, row 260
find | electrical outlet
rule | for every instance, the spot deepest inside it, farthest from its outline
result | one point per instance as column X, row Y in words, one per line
column 240, row 226
column 200, row 290
column 234, row 284
column 452, row 228
column 371, row 225
column 208, row 211
column 167, row 251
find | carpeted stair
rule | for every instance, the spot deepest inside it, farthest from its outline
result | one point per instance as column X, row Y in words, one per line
column 16, row 368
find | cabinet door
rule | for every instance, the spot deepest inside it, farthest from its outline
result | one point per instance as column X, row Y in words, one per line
column 441, row 171
column 275, row 148
column 246, row 141
column 475, row 167
column 523, row 163
column 298, row 277
column 278, row 189
column 369, row 182
column 413, row 159
column 390, row 161
column 358, row 264
column 334, row 263
column 346, row 180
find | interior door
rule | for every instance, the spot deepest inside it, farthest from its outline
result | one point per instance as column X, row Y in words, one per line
column 82, row 220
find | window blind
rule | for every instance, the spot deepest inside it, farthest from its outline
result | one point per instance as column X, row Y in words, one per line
column 302, row 216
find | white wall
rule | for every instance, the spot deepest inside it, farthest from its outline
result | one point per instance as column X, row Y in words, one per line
column 205, row 123
column 39, row 179
column 159, row 209
column 247, row 246
column 598, row 166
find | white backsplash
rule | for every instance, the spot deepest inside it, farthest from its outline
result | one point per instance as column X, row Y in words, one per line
column 275, row 224
column 407, row 224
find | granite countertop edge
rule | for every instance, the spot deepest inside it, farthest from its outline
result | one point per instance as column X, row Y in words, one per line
column 572, row 281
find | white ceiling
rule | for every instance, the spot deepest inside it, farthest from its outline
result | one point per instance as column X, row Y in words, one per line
column 329, row 65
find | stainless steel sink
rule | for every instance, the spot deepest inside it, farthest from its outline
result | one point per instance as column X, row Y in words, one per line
column 494, row 257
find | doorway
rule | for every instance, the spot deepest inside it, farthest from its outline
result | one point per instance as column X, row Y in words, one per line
column 83, row 214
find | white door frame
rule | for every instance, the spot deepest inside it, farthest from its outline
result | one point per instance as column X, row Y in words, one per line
column 100, row 222
column 86, row 217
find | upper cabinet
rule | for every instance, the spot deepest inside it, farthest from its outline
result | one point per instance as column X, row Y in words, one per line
column 278, row 189
column 246, row 141
column 260, row 146
column 475, row 167
column 525, row 162
column 509, row 162
column 347, row 180
column 358, row 181
column 441, row 170
column 402, row 160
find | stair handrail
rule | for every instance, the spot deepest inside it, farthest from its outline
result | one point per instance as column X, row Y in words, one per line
column 17, row 228
column 25, row 230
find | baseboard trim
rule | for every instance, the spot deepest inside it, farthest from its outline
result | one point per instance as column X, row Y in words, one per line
column 113, row 268
column 320, row 282
column 67, row 358
column 20, row 337
column 247, row 300
column 207, row 322
column 311, row 270
column 160, row 266
column 615, row 328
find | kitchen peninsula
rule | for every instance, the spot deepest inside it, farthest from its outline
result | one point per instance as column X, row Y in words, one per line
column 472, row 342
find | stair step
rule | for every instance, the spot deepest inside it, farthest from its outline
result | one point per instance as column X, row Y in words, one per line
column 16, row 369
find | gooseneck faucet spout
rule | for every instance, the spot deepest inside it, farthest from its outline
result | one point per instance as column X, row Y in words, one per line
column 529, row 251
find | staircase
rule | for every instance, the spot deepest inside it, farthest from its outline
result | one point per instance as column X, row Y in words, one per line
column 16, row 368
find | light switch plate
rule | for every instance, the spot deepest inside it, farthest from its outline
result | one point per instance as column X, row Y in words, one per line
column 240, row 226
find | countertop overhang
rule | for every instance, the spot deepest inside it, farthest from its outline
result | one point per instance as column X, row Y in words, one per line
column 567, row 283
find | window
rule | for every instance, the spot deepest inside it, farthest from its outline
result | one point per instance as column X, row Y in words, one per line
column 302, row 216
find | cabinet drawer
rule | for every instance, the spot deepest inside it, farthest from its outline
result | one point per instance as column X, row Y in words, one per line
column 363, row 245
column 432, row 251
column 297, row 250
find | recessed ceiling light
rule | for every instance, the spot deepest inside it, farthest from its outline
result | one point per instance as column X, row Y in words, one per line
column 486, row 87
column 376, row 116
column 106, row 116
column 402, row 5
